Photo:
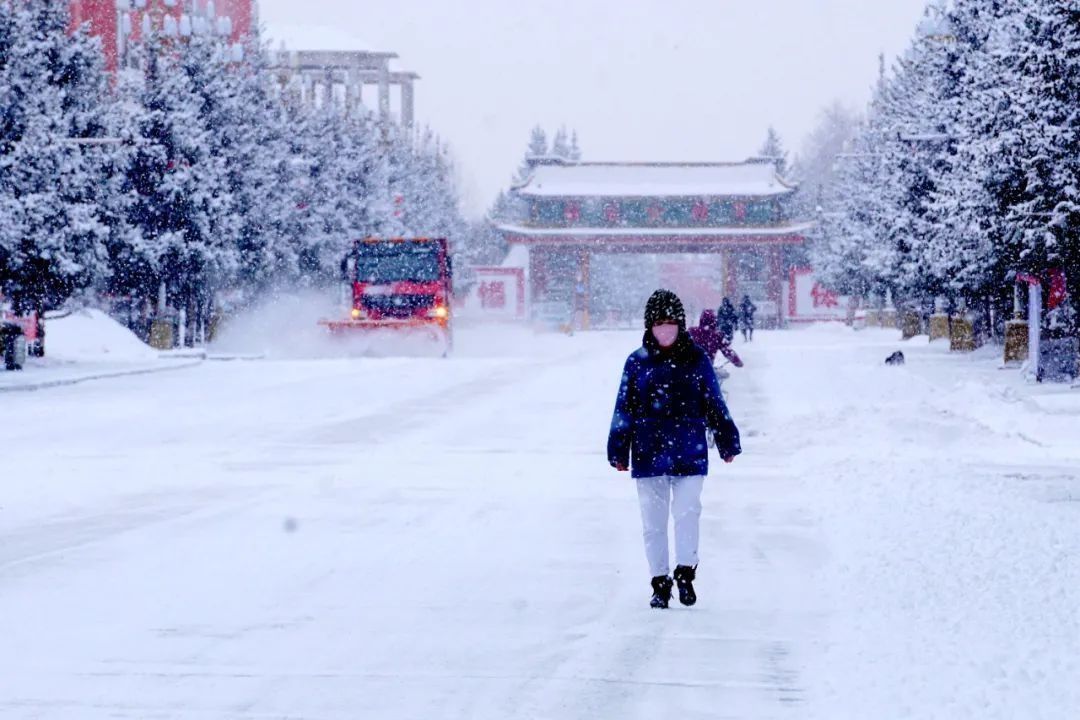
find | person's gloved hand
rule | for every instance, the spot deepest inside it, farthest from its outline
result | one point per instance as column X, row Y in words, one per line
column 728, row 458
column 620, row 467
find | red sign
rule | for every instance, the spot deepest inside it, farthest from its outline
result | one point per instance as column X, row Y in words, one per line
column 1059, row 288
column 824, row 297
column 492, row 295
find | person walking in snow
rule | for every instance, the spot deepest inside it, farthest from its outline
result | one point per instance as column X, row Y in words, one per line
column 707, row 337
column 727, row 319
column 668, row 401
column 747, row 309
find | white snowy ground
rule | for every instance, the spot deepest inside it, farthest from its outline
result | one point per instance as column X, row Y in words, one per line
column 418, row 538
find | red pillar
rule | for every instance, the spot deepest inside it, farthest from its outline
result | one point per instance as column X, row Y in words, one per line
column 731, row 281
column 584, row 271
column 776, row 280
column 537, row 274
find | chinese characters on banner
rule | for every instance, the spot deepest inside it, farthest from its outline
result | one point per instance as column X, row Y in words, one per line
column 492, row 294
column 810, row 301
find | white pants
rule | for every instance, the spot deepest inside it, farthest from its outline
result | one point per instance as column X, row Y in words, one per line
column 681, row 496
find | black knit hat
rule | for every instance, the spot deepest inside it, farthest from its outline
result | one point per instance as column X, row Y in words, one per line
column 664, row 305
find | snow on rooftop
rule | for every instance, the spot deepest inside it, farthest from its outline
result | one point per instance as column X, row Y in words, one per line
column 660, row 232
column 750, row 179
column 518, row 257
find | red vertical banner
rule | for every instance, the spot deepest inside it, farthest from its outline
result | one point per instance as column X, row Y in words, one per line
column 1058, row 288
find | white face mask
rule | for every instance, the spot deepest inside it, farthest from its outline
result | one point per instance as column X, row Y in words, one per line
column 666, row 334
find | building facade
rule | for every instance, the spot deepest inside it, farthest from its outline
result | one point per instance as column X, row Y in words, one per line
column 120, row 22
column 339, row 77
column 736, row 218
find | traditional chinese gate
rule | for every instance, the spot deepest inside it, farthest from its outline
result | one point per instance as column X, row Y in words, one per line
column 735, row 215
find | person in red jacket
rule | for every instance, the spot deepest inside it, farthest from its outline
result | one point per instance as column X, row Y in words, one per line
column 708, row 337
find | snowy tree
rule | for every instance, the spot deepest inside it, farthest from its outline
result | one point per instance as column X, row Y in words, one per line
column 238, row 100
column 575, row 150
column 365, row 178
column 322, row 150
column 52, row 94
column 560, row 146
column 918, row 133
column 846, row 246
column 817, row 163
column 538, row 147
column 966, row 214
column 181, row 204
column 773, row 148
column 1047, row 76
column 437, row 213
column 966, row 169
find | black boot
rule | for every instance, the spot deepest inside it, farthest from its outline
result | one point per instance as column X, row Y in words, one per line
column 661, row 594
column 684, row 576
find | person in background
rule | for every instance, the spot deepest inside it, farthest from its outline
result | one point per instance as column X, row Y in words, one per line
column 668, row 401
column 747, row 309
column 707, row 337
column 728, row 319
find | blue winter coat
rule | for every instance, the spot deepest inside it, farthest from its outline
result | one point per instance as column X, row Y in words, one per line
column 667, row 401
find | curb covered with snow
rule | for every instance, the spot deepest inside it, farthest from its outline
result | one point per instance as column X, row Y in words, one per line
column 89, row 345
column 101, row 374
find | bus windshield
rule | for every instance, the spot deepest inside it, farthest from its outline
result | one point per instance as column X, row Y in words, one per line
column 397, row 262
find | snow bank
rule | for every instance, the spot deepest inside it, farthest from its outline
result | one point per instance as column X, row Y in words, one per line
column 92, row 336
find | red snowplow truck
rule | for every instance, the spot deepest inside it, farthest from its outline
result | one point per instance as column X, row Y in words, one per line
column 401, row 288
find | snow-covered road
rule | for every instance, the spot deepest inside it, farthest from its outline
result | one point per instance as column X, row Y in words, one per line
column 415, row 538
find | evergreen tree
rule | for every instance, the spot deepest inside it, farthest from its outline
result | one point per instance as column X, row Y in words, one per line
column 1047, row 77
column 238, row 103
column 318, row 150
column 575, row 150
column 845, row 246
column 773, row 148
column 133, row 256
column 917, row 144
column 181, row 204
column 815, row 168
column 560, row 146
column 436, row 214
column 538, row 148
column 966, row 213
column 52, row 94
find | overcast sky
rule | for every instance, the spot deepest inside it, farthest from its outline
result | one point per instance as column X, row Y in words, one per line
column 638, row 79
